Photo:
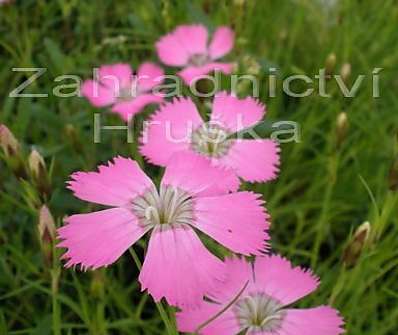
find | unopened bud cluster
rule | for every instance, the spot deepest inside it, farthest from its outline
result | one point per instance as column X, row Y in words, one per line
column 31, row 171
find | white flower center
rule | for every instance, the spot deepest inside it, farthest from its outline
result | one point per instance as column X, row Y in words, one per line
column 259, row 313
column 129, row 92
column 211, row 140
column 199, row 59
column 169, row 206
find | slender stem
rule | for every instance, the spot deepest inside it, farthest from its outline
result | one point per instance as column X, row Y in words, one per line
column 325, row 211
column 135, row 258
column 235, row 299
column 340, row 281
column 55, row 273
column 159, row 305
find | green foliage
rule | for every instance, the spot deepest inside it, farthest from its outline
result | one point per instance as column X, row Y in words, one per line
column 324, row 192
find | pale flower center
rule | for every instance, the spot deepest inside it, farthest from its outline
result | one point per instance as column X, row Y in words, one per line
column 127, row 94
column 199, row 59
column 169, row 206
column 211, row 140
column 259, row 313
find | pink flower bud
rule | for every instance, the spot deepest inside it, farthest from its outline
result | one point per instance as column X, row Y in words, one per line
column 47, row 229
column 8, row 141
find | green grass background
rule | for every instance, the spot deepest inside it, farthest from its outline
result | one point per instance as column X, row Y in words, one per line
column 323, row 194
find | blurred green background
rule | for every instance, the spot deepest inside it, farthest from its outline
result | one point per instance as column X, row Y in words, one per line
column 337, row 177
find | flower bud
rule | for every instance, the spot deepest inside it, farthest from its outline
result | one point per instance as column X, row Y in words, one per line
column 37, row 165
column 345, row 72
column 356, row 245
column 47, row 232
column 39, row 173
column 8, row 142
column 342, row 126
column 12, row 152
column 330, row 63
column 47, row 229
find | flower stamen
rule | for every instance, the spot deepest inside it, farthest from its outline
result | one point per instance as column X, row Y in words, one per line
column 259, row 313
column 168, row 206
column 211, row 140
column 199, row 59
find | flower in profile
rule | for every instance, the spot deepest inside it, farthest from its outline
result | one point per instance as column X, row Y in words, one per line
column 192, row 195
column 255, row 299
column 115, row 85
column 178, row 127
column 187, row 46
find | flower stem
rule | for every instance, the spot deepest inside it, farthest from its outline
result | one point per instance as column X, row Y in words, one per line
column 163, row 314
column 235, row 299
column 55, row 273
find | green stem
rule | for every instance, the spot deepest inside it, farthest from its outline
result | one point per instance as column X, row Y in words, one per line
column 320, row 228
column 338, row 287
column 56, row 312
column 235, row 299
column 163, row 314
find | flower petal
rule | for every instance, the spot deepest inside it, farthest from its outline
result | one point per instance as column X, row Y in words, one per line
column 193, row 38
column 127, row 109
column 253, row 160
column 98, row 95
column 238, row 275
column 172, row 48
column 149, row 75
column 191, row 74
column 189, row 320
column 276, row 276
column 99, row 238
column 115, row 76
column 222, row 42
column 169, row 130
column 178, row 267
column 322, row 320
column 198, row 176
column 238, row 221
column 236, row 114
column 114, row 185
column 177, row 47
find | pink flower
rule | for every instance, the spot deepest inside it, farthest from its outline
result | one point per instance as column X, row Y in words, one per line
column 187, row 46
column 256, row 299
column 178, row 127
column 192, row 195
column 127, row 94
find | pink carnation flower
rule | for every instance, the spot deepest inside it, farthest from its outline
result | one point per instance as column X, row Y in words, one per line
column 178, row 127
column 127, row 94
column 256, row 299
column 187, row 46
column 192, row 195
